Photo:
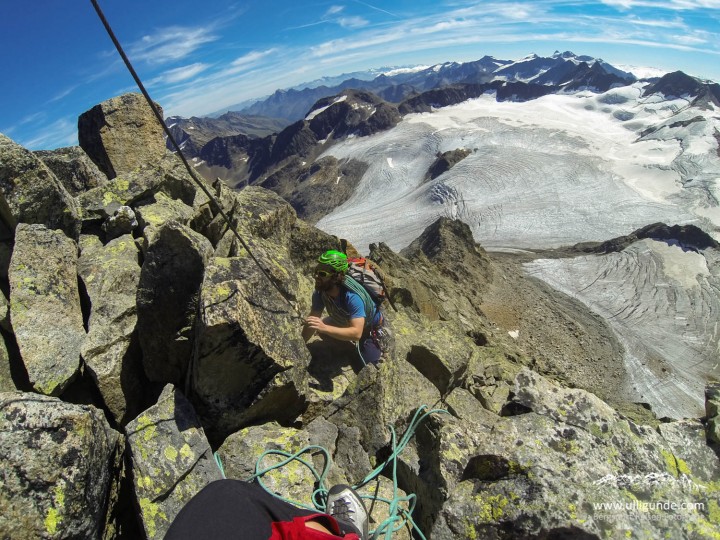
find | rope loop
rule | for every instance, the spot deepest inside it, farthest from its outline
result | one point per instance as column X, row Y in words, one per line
column 400, row 508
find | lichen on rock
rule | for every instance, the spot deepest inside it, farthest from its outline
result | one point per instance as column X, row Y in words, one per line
column 45, row 306
column 171, row 460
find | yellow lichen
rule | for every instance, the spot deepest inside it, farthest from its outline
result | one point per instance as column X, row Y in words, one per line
column 490, row 507
column 150, row 512
column 171, row 453
column 683, row 467
column 186, row 452
column 53, row 517
column 573, row 511
column 51, row 521
column 122, row 185
column 714, row 512
column 670, row 462
column 453, row 453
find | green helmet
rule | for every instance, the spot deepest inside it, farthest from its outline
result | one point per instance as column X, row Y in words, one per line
column 335, row 259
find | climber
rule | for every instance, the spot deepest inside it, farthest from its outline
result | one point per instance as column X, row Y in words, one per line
column 227, row 509
column 350, row 316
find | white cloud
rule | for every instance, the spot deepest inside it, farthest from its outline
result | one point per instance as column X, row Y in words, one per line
column 375, row 8
column 334, row 10
column 655, row 23
column 688, row 39
column 180, row 74
column 63, row 94
column 444, row 26
column 170, row 44
column 352, row 22
column 62, row 132
column 664, row 4
column 34, row 117
column 247, row 61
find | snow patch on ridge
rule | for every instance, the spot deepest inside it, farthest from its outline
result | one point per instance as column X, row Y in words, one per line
column 314, row 113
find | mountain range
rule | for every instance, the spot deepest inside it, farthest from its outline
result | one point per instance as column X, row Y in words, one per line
column 527, row 78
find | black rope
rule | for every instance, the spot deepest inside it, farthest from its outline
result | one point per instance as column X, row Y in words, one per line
column 179, row 152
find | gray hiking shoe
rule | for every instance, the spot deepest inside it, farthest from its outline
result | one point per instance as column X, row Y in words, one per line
column 346, row 506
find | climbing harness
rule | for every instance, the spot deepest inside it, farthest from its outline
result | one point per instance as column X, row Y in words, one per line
column 179, row 152
column 398, row 515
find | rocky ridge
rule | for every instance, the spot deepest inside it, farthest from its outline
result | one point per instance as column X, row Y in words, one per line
column 174, row 344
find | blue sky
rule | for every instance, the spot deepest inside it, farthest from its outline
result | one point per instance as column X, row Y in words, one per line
column 198, row 57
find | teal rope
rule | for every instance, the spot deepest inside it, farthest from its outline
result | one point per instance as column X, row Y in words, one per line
column 399, row 516
column 367, row 300
column 321, row 491
column 219, row 463
column 357, row 346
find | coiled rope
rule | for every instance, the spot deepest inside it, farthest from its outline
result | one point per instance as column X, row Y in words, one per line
column 398, row 515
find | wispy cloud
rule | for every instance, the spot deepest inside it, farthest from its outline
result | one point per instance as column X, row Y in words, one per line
column 62, row 132
column 334, row 15
column 247, row 61
column 352, row 22
column 241, row 77
column 671, row 5
column 333, row 10
column 174, row 76
column 34, row 117
column 170, row 44
column 63, row 94
column 375, row 8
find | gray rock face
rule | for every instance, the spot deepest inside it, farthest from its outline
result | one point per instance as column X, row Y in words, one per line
column 45, row 306
column 171, row 460
column 259, row 215
column 121, row 134
column 503, row 481
column 100, row 203
column 122, row 221
column 6, row 380
column 111, row 274
column 30, row 192
column 251, row 361
column 243, row 449
column 161, row 209
column 712, row 409
column 315, row 189
column 73, row 168
column 167, row 296
column 58, row 463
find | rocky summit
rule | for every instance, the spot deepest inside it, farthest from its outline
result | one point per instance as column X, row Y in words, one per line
column 150, row 323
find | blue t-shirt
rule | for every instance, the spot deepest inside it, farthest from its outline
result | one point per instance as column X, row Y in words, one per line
column 348, row 302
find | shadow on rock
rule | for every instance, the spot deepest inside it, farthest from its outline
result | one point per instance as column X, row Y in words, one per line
column 330, row 359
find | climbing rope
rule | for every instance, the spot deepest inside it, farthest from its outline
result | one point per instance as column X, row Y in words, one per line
column 398, row 515
column 179, row 152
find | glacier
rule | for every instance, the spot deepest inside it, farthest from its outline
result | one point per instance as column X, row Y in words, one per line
column 560, row 170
